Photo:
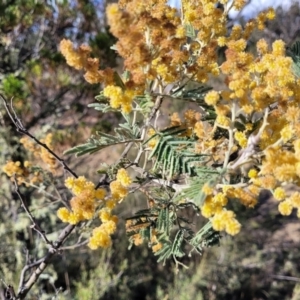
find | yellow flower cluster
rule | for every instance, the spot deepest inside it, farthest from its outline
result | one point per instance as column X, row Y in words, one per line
column 241, row 138
column 13, row 168
column 80, row 59
column 215, row 202
column 41, row 152
column 84, row 203
column 119, row 98
column 152, row 143
column 247, row 196
column 164, row 48
column 45, row 156
column 156, row 245
column 101, row 236
column 16, row 170
column 280, row 167
column 212, row 97
column 137, row 239
column 156, row 36
column 157, row 48
column 287, row 203
column 225, row 220
column 123, row 177
column 254, row 83
column 221, row 218
column 22, row 174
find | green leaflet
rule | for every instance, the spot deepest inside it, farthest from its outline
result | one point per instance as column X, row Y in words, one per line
column 175, row 155
column 126, row 132
column 172, row 230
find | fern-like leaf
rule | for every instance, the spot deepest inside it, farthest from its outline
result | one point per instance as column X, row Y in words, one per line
column 175, row 155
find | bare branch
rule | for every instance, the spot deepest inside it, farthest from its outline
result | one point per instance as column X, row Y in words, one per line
column 75, row 246
column 35, row 225
column 25, row 269
column 43, row 263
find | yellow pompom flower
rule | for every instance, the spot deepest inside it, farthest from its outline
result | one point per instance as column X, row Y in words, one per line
column 100, row 194
column 241, row 138
column 118, row 98
column 109, row 226
column 271, row 14
column 285, row 208
column 72, row 57
column 286, row 133
column 114, row 93
column 118, row 191
column 239, row 4
column 218, row 221
column 63, row 213
column 207, row 210
column 223, row 121
column 74, row 218
column 123, row 177
column 252, row 173
column 111, row 203
column 233, row 227
column 221, row 41
column 207, row 190
column 212, row 97
column 180, row 32
column 295, row 199
column 78, row 185
column 105, row 215
column 220, row 199
column 262, row 46
column 199, row 129
column 27, row 164
column 225, row 220
column 93, row 244
column 112, row 10
column 69, row 182
column 278, row 48
column 157, row 247
column 99, row 238
column 279, row 194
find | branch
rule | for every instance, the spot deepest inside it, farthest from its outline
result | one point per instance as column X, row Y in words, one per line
column 20, row 128
column 283, row 277
column 252, row 144
column 75, row 246
column 43, row 263
column 25, row 269
column 154, row 110
column 35, row 225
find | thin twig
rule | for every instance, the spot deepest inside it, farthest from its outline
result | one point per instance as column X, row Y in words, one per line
column 289, row 278
column 74, row 246
column 20, row 128
column 35, row 225
column 153, row 112
column 252, row 144
column 231, row 135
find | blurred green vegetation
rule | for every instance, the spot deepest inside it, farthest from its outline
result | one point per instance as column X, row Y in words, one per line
column 262, row 262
